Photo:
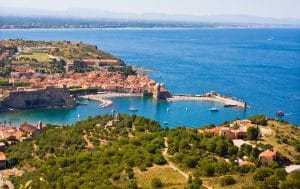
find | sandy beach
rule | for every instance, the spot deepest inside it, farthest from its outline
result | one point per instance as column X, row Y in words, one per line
column 105, row 98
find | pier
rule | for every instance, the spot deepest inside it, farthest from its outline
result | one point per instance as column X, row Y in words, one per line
column 211, row 96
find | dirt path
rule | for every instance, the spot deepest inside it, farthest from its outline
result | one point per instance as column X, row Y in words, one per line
column 89, row 144
column 173, row 166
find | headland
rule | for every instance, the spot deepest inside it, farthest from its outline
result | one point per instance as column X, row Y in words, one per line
column 38, row 74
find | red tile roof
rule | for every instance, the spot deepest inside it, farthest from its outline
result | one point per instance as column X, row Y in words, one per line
column 2, row 156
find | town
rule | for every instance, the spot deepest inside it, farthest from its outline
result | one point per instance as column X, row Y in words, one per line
column 29, row 68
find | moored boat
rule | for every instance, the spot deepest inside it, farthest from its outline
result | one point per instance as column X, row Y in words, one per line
column 214, row 109
column 133, row 109
column 280, row 113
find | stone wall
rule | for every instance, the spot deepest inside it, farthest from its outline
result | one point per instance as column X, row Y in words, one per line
column 38, row 98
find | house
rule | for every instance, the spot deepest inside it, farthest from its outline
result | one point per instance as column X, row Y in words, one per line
column 8, row 132
column 237, row 130
column 244, row 162
column 2, row 160
column 31, row 130
column 267, row 156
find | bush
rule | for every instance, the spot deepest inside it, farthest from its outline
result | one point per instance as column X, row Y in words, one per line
column 246, row 168
column 259, row 120
column 280, row 173
column 143, row 168
column 156, row 183
column 262, row 174
column 227, row 180
column 209, row 171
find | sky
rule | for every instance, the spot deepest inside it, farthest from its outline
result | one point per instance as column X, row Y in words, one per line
column 262, row 8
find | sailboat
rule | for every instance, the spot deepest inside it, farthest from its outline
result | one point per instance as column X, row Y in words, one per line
column 78, row 116
column 133, row 109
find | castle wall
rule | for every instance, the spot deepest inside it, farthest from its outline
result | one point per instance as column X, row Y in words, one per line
column 38, row 98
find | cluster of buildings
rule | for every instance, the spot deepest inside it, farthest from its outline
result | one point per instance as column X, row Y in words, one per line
column 106, row 80
column 236, row 130
column 11, row 134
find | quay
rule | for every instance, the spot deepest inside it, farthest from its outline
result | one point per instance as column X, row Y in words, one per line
column 211, row 96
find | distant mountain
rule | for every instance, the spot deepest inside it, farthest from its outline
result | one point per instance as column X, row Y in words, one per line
column 102, row 15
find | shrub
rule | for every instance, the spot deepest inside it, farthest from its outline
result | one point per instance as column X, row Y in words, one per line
column 227, row 180
column 194, row 184
column 280, row 173
column 259, row 120
column 156, row 183
column 143, row 168
column 262, row 174
column 208, row 171
column 246, row 168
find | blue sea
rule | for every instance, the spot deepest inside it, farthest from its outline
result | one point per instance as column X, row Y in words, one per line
column 260, row 66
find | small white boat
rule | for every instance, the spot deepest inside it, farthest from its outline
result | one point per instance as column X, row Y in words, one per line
column 165, row 123
column 11, row 109
column 78, row 116
column 186, row 109
column 213, row 109
column 168, row 109
column 133, row 109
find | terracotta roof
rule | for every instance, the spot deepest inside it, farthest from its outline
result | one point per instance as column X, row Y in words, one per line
column 28, row 128
column 246, row 163
column 268, row 154
column 2, row 156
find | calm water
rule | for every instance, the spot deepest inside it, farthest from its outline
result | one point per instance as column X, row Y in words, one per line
column 261, row 66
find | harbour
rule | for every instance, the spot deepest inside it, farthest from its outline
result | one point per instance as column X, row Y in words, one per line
column 194, row 67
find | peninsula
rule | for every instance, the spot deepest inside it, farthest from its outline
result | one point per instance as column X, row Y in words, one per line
column 38, row 74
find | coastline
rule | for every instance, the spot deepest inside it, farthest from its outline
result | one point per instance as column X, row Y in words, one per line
column 105, row 98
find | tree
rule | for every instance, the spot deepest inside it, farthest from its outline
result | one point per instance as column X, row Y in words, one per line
column 208, row 170
column 221, row 147
column 262, row 174
column 194, row 184
column 156, row 183
column 252, row 133
column 259, row 120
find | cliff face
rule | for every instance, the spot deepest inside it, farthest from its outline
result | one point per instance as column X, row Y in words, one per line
column 47, row 97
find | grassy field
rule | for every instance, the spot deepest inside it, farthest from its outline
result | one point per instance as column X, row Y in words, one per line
column 283, row 138
column 39, row 56
column 169, row 177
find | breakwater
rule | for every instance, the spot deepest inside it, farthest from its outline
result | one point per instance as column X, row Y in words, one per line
column 211, row 96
